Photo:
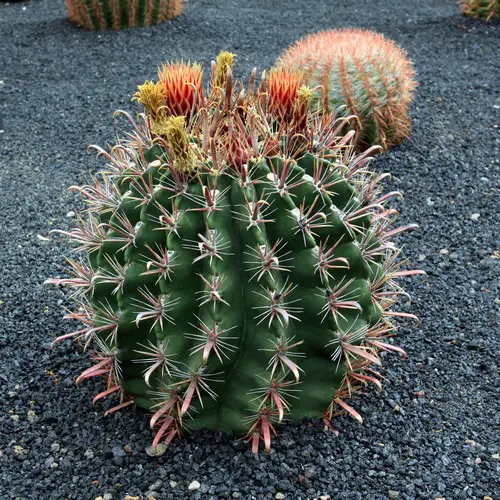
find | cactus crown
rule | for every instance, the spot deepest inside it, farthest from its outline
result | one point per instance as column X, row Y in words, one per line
column 224, row 63
column 237, row 268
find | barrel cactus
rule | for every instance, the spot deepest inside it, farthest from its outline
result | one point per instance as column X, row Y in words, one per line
column 119, row 14
column 363, row 72
column 484, row 9
column 237, row 266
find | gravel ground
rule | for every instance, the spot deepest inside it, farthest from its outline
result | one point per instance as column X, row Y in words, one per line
column 431, row 433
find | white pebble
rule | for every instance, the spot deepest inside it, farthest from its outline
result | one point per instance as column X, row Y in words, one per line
column 475, row 216
column 194, row 486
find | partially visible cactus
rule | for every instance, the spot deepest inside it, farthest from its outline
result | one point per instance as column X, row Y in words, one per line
column 484, row 9
column 363, row 71
column 119, row 14
column 238, row 266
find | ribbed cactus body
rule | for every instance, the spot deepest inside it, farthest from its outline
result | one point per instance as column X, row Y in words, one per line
column 365, row 73
column 248, row 291
column 484, row 9
column 119, row 14
column 239, row 269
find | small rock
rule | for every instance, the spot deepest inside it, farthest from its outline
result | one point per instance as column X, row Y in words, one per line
column 444, row 251
column 20, row 451
column 495, row 456
column 128, row 497
column 70, row 214
column 471, row 443
column 473, row 345
column 475, row 216
column 477, row 461
column 324, row 497
column 393, row 494
column 55, row 447
column 303, row 480
column 127, row 448
column 157, row 451
column 118, row 451
column 309, row 471
column 287, row 441
column 89, row 454
column 194, row 486
column 421, row 257
column 153, row 488
column 173, row 484
column 279, row 496
column 32, row 416
column 420, row 394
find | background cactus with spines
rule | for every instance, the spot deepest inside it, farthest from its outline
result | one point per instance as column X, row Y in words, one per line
column 362, row 71
column 238, row 267
column 119, row 14
column 484, row 9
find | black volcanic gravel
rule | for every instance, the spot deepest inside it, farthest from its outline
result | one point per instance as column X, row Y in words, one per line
column 434, row 430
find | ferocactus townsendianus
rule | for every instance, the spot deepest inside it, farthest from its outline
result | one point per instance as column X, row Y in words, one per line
column 236, row 266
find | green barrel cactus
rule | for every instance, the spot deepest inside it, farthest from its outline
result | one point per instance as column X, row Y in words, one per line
column 237, row 267
column 483, row 9
column 120, row 14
